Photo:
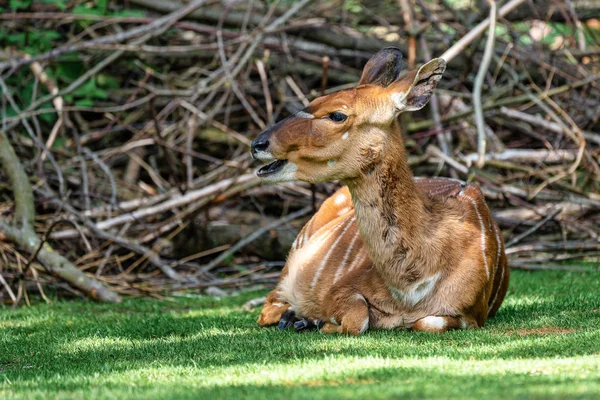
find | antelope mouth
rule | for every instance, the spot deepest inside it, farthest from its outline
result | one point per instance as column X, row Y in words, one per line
column 271, row 168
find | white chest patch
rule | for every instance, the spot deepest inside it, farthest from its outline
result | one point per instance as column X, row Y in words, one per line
column 417, row 292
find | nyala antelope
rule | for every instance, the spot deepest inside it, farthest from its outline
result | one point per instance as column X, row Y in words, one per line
column 388, row 250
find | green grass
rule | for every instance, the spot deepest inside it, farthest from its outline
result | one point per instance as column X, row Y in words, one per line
column 544, row 343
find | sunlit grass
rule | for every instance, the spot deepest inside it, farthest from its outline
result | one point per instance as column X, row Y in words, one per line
column 544, row 343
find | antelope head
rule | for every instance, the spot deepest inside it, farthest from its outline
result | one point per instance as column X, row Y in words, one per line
column 340, row 135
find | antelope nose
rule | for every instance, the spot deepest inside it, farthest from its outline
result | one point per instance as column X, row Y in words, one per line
column 259, row 145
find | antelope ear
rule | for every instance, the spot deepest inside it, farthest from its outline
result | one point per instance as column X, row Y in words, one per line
column 414, row 92
column 383, row 68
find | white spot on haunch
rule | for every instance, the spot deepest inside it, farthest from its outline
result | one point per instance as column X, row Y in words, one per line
column 345, row 136
column 339, row 199
column 331, row 163
column 434, row 322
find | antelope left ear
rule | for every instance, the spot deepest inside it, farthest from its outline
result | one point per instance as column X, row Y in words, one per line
column 417, row 95
column 383, row 68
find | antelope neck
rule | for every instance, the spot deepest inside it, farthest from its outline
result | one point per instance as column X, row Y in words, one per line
column 390, row 210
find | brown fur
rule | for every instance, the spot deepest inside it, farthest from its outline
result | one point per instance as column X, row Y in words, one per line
column 339, row 300
column 436, row 258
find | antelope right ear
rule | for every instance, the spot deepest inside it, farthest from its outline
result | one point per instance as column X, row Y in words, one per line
column 413, row 92
column 383, row 68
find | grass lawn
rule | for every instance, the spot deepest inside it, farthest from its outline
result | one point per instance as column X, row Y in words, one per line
column 544, row 343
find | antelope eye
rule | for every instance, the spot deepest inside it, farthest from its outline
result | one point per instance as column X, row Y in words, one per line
column 337, row 116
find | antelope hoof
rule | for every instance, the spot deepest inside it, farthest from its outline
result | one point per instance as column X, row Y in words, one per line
column 307, row 324
column 286, row 320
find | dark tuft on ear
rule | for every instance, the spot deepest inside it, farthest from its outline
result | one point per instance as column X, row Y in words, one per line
column 383, row 68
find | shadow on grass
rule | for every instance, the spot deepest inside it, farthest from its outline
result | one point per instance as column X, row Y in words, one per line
column 211, row 339
column 81, row 340
column 394, row 382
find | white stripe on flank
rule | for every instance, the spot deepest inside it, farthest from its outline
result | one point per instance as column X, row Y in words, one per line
column 343, row 211
column 326, row 258
column 482, row 227
column 289, row 289
column 497, row 290
column 357, row 260
column 497, row 249
column 306, row 233
column 338, row 273
column 443, row 189
column 424, row 178
column 440, row 191
column 501, row 272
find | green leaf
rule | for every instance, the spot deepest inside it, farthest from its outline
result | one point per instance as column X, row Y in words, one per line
column 17, row 39
column 18, row 4
column 86, row 10
column 84, row 103
column 67, row 72
column 60, row 4
column 90, row 90
column 107, row 81
column 59, row 142
column 127, row 13
column 102, row 5
column 49, row 118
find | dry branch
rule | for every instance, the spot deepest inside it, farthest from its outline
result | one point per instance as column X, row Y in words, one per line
column 161, row 181
column 177, row 200
column 23, row 234
column 478, row 86
column 153, row 28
